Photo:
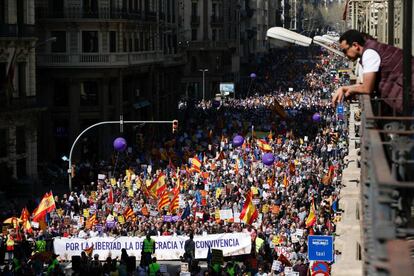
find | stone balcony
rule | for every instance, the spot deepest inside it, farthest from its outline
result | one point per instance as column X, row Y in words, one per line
column 98, row 60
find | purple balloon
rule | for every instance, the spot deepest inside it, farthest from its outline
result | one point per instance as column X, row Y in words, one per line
column 120, row 144
column 238, row 140
column 216, row 104
column 316, row 117
column 253, row 75
column 268, row 159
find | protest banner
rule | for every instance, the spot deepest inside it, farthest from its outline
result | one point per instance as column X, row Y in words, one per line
column 166, row 247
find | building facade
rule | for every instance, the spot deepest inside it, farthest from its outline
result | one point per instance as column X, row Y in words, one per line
column 19, row 112
column 110, row 58
column 209, row 35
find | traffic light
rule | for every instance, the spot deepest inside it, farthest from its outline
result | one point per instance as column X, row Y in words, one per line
column 174, row 126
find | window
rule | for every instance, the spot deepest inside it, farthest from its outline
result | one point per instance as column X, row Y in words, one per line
column 90, row 41
column 2, row 12
column 214, row 10
column 21, row 66
column 214, row 35
column 59, row 46
column 136, row 44
column 2, row 80
column 90, row 8
column 21, row 168
column 60, row 93
column 89, row 93
column 57, row 6
column 194, row 9
column 20, row 140
column 194, row 34
column 4, row 142
column 112, row 41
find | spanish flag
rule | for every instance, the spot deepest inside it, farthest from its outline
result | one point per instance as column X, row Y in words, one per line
column 196, row 164
column 249, row 212
column 46, row 205
column 263, row 145
column 158, row 182
column 310, row 221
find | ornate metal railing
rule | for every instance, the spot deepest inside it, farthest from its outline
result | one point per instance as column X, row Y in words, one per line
column 387, row 189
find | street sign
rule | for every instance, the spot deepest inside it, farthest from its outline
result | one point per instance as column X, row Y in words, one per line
column 320, row 248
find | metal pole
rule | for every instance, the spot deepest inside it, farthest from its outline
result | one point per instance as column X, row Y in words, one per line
column 391, row 22
column 120, row 122
column 407, row 57
column 204, row 85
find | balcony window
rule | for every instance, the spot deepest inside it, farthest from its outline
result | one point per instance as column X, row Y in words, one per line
column 112, row 42
column 56, row 7
column 2, row 12
column 194, row 9
column 20, row 139
column 214, row 35
column 21, row 168
column 59, row 46
column 4, row 142
column 89, row 93
column 90, row 8
column 194, row 34
column 21, row 79
column 60, row 93
column 3, row 83
column 90, row 41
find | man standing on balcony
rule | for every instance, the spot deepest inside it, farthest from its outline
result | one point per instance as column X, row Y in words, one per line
column 382, row 69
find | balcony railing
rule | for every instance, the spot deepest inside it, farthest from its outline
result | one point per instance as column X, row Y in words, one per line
column 79, row 13
column 98, row 60
column 387, row 189
column 8, row 103
column 205, row 45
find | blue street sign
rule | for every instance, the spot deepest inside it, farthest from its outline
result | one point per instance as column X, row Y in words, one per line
column 340, row 108
column 320, row 248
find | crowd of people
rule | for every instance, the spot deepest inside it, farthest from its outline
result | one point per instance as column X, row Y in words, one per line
column 305, row 178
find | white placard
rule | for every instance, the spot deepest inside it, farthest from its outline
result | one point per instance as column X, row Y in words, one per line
column 226, row 214
column 276, row 265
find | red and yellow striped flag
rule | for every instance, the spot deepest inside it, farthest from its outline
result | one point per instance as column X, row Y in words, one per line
column 164, row 201
column 46, row 205
column 310, row 221
column 175, row 201
column 129, row 213
column 249, row 212
column 263, row 145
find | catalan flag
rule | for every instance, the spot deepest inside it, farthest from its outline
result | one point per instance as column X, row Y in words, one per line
column 25, row 220
column 249, row 212
column 310, row 221
column 46, row 205
column 263, row 145
column 89, row 250
column 129, row 213
column 91, row 221
column 175, row 201
column 164, row 201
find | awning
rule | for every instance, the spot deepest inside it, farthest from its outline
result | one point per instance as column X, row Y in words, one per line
column 141, row 104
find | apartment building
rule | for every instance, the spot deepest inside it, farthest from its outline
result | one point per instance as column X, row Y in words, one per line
column 209, row 38
column 110, row 58
column 19, row 112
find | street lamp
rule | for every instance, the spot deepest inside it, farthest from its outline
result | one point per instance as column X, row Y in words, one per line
column 204, row 84
column 121, row 123
column 283, row 34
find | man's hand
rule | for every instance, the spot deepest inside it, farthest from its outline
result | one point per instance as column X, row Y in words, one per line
column 340, row 94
